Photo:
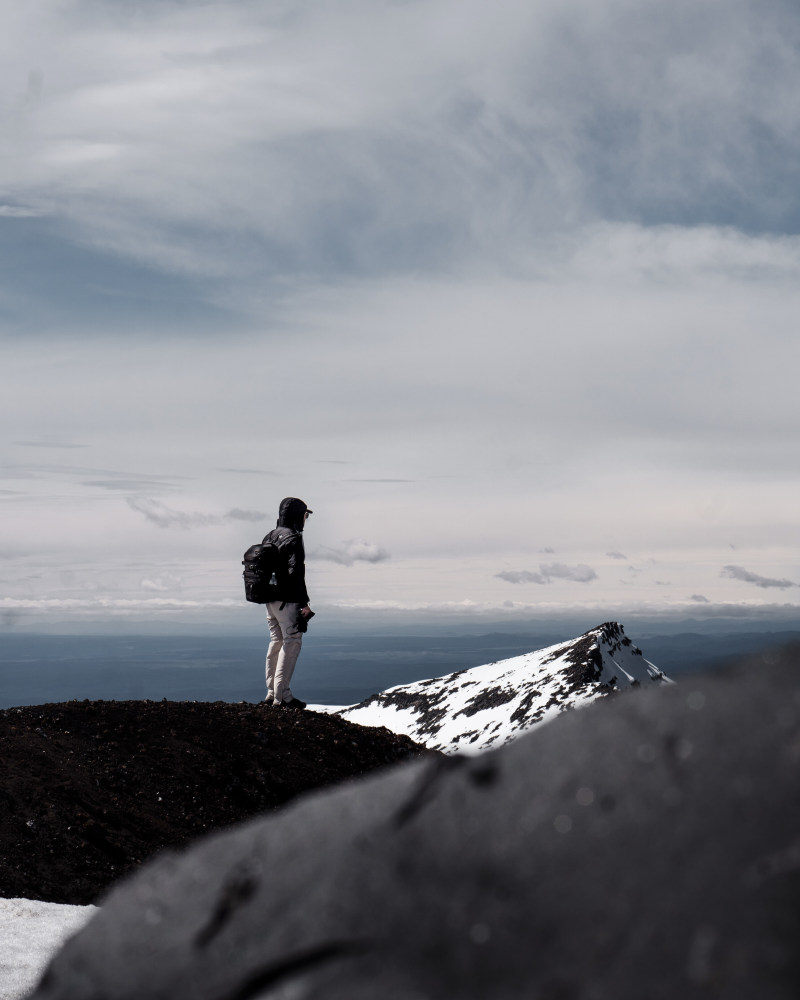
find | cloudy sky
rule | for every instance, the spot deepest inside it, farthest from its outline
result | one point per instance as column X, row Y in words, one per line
column 507, row 292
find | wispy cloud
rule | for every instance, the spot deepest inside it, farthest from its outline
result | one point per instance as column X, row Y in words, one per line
column 162, row 584
column 7, row 552
column 249, row 472
column 699, row 599
column 19, row 212
column 558, row 571
column 616, row 555
column 549, row 572
column 740, row 573
column 239, row 514
column 166, row 517
column 130, row 485
column 355, row 550
column 109, row 479
column 48, row 444
column 521, row 576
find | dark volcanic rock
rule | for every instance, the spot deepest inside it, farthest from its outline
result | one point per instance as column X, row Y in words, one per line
column 488, row 698
column 90, row 789
column 644, row 847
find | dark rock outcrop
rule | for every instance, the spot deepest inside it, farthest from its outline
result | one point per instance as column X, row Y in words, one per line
column 645, row 847
column 90, row 789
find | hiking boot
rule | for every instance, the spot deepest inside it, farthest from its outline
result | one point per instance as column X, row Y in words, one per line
column 294, row 703
column 269, row 700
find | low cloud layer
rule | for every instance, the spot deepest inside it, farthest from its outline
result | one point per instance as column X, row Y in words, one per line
column 11, row 606
column 166, row 517
column 549, row 572
column 355, row 550
column 740, row 573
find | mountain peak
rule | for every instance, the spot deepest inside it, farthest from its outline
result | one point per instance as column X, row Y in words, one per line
column 472, row 710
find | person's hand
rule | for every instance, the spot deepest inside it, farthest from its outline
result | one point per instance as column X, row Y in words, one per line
column 306, row 612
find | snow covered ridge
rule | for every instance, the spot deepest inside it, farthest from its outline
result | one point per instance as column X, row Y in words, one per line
column 472, row 710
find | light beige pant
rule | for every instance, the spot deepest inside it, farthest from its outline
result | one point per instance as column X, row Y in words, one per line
column 284, row 648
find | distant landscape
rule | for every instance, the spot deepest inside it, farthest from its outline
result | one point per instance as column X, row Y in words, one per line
column 336, row 668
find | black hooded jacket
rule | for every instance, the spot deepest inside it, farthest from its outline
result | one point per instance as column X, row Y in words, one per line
column 287, row 537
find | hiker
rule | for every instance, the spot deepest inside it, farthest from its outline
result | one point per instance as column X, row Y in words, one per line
column 288, row 613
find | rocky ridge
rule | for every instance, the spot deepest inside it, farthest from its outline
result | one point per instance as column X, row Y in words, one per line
column 91, row 789
column 487, row 706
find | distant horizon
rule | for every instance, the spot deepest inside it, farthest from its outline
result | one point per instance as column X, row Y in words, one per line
column 250, row 621
column 338, row 666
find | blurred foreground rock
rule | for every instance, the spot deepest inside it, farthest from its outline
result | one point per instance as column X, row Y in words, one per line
column 646, row 847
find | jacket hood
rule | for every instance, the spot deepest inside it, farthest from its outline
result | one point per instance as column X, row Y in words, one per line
column 291, row 513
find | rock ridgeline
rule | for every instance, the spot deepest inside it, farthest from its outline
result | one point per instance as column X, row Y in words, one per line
column 485, row 707
column 89, row 789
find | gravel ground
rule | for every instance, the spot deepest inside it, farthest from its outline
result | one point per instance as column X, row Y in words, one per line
column 90, row 789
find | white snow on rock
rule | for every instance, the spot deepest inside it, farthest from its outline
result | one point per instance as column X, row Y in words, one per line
column 30, row 934
column 472, row 710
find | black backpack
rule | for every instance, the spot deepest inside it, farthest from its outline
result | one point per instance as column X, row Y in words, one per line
column 260, row 564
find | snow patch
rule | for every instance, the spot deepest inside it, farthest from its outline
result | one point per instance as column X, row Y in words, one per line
column 31, row 932
column 471, row 710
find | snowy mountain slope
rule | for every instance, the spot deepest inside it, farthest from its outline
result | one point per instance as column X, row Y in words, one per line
column 486, row 706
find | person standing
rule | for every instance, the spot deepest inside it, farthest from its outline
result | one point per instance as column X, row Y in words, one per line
column 286, row 614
